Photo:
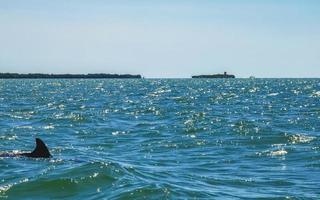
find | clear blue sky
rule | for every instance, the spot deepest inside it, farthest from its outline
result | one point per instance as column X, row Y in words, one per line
column 165, row 38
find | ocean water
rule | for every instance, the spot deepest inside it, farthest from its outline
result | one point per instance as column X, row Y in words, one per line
column 162, row 139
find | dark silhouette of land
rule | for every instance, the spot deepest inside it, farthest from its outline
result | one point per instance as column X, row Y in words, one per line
column 225, row 75
column 65, row 76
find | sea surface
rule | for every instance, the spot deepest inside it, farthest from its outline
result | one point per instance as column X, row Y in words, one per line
column 161, row 139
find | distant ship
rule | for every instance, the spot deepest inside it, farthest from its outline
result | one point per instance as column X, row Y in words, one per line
column 224, row 75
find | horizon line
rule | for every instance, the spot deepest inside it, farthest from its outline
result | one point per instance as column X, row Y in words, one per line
column 142, row 76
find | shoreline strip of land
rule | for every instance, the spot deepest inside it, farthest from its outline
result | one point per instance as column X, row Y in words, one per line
column 224, row 75
column 68, row 76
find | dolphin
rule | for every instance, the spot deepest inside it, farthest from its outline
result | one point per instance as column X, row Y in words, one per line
column 41, row 151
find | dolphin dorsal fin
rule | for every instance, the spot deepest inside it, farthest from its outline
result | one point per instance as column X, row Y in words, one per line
column 41, row 150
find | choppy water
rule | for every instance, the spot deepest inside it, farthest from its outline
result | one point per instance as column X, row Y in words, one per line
column 162, row 139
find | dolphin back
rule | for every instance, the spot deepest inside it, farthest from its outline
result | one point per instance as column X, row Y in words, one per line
column 41, row 150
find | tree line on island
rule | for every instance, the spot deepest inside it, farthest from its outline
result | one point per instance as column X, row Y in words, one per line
column 61, row 76
column 224, row 75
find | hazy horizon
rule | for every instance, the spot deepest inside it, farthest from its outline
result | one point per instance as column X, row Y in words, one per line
column 155, row 77
column 167, row 39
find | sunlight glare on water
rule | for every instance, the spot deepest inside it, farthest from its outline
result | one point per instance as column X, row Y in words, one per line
column 162, row 138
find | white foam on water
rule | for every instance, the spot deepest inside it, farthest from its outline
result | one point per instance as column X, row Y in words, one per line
column 280, row 152
column 300, row 138
column 273, row 94
column 48, row 127
column 315, row 94
column 5, row 188
column 11, row 137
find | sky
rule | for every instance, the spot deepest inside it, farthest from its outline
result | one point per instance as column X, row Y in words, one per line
column 164, row 38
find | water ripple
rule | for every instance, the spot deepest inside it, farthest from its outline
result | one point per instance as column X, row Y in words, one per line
column 162, row 139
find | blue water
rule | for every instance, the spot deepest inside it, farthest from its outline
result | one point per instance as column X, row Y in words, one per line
column 162, row 139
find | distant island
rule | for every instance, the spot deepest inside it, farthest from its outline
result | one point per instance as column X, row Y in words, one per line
column 224, row 75
column 66, row 76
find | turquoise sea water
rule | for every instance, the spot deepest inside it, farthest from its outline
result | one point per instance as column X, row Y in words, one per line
column 162, row 139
